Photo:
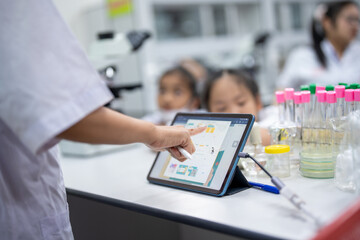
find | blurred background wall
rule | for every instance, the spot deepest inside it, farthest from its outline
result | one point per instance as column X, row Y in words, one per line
column 252, row 34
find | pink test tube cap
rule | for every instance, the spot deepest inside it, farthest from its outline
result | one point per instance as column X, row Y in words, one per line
column 357, row 95
column 319, row 88
column 331, row 97
column 289, row 93
column 280, row 96
column 305, row 96
column 349, row 95
column 321, row 96
column 297, row 97
column 340, row 91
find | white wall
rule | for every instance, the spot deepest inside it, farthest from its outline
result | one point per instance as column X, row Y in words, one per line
column 73, row 11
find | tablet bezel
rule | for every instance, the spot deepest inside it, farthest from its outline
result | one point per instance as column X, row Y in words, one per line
column 232, row 166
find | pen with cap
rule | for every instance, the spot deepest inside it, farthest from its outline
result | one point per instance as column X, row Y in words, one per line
column 265, row 187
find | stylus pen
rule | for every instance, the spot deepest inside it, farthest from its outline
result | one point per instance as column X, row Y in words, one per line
column 184, row 153
column 265, row 187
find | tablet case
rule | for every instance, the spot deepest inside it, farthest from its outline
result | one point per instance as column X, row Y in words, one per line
column 238, row 183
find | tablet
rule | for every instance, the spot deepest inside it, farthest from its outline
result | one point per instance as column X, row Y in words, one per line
column 215, row 160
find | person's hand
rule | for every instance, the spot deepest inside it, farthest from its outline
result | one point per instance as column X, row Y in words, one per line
column 171, row 137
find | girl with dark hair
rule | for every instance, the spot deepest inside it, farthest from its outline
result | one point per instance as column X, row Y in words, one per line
column 177, row 93
column 233, row 91
column 334, row 55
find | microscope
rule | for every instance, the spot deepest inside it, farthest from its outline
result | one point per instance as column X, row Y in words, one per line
column 108, row 51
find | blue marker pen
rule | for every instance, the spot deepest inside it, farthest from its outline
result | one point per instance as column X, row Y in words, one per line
column 265, row 187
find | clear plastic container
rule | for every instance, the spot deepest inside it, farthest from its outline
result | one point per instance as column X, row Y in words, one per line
column 355, row 145
column 344, row 177
column 251, row 169
column 278, row 162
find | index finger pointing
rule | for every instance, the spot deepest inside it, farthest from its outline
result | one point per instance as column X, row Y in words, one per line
column 195, row 131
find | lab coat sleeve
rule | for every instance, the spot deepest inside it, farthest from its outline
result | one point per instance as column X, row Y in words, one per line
column 46, row 81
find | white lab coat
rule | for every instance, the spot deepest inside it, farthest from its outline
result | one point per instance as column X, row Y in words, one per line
column 303, row 67
column 46, row 85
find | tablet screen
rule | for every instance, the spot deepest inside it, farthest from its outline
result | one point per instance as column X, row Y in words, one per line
column 216, row 152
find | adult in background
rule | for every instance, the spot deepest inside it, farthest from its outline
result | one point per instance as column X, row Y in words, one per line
column 334, row 55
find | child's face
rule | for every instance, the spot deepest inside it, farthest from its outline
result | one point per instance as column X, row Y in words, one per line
column 174, row 93
column 228, row 96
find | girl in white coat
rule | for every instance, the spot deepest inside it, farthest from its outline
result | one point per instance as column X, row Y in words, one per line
column 334, row 55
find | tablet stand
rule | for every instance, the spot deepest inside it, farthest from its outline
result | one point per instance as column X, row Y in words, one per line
column 238, row 183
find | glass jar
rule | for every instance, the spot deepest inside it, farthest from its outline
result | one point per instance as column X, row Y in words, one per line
column 278, row 163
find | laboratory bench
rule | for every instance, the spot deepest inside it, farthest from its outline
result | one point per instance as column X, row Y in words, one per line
column 111, row 191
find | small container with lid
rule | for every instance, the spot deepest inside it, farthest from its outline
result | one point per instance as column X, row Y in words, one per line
column 278, row 163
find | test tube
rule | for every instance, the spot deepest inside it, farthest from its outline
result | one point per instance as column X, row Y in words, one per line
column 331, row 106
column 298, row 109
column 340, row 103
column 329, row 88
column 289, row 105
column 330, row 116
column 304, row 88
column 319, row 88
column 306, row 123
column 320, row 122
column 349, row 101
column 277, row 129
column 305, row 100
column 312, row 88
column 280, row 100
column 356, row 99
column 343, row 84
column 320, row 108
column 298, row 120
column 354, row 86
